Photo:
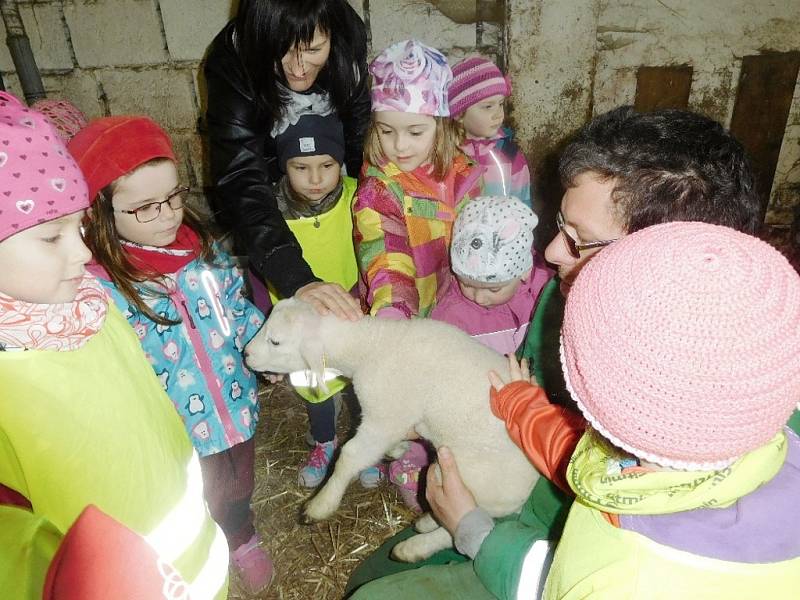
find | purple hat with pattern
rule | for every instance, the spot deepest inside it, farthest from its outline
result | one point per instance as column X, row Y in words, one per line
column 411, row 77
column 39, row 180
column 475, row 79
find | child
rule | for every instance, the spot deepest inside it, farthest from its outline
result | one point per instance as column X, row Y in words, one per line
column 416, row 180
column 316, row 201
column 183, row 297
column 83, row 419
column 498, row 274
column 680, row 346
column 477, row 95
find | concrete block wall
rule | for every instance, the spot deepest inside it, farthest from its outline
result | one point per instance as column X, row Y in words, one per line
column 568, row 60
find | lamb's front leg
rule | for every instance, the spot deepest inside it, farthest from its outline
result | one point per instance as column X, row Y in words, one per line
column 366, row 448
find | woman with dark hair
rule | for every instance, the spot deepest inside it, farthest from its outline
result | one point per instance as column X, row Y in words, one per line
column 276, row 61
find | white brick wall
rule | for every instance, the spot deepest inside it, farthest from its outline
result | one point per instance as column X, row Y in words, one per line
column 567, row 60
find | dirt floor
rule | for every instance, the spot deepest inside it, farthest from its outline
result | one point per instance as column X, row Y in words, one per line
column 312, row 561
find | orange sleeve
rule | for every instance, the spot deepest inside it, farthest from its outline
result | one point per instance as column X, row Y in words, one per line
column 547, row 433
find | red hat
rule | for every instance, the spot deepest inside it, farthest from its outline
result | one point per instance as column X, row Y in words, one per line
column 110, row 147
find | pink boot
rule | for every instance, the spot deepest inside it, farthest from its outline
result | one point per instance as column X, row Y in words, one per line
column 254, row 565
column 405, row 473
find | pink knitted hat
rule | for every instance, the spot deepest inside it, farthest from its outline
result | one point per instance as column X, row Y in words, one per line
column 475, row 79
column 39, row 180
column 410, row 77
column 681, row 344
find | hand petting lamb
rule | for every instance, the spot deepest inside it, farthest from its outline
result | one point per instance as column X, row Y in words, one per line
column 419, row 374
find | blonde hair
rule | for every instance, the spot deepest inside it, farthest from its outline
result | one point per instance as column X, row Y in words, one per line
column 102, row 239
column 446, row 141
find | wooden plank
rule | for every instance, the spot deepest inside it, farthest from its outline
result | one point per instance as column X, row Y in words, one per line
column 662, row 87
column 763, row 99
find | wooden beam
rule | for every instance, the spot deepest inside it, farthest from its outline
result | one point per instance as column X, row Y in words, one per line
column 663, row 87
column 763, row 99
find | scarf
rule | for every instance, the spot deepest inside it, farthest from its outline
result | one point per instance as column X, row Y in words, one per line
column 594, row 474
column 59, row 327
column 166, row 260
column 292, row 207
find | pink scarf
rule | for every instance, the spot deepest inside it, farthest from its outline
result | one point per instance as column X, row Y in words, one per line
column 60, row 327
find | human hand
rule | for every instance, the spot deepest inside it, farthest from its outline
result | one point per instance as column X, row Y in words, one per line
column 449, row 498
column 330, row 298
column 518, row 371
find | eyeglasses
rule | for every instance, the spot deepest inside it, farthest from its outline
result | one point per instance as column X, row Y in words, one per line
column 573, row 247
column 150, row 212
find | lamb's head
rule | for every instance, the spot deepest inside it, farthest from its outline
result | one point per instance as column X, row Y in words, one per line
column 288, row 341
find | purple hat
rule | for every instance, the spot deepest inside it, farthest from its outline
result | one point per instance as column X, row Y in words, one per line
column 475, row 79
column 410, row 77
column 39, row 180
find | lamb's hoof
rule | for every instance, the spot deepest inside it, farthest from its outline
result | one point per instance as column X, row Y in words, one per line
column 409, row 551
column 425, row 524
column 315, row 511
column 305, row 519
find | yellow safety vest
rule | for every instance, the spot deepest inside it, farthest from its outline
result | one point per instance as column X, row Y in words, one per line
column 597, row 561
column 94, row 426
column 327, row 243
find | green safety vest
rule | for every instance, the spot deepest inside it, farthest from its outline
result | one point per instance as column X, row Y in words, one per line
column 94, row 426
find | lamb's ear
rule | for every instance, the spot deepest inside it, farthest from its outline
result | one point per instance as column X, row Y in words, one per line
column 312, row 350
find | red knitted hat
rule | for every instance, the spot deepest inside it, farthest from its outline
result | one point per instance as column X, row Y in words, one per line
column 110, row 147
column 681, row 344
column 475, row 79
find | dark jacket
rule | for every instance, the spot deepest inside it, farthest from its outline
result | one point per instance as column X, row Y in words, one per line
column 244, row 163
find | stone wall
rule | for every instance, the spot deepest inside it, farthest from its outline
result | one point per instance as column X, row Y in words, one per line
column 568, row 60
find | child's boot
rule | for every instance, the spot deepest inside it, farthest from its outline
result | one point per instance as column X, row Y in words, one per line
column 405, row 473
column 319, row 459
column 253, row 565
column 372, row 476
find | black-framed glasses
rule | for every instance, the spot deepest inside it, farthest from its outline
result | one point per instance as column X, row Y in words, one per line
column 573, row 247
column 151, row 211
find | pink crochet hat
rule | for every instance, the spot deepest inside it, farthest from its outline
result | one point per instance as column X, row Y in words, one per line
column 410, row 77
column 39, row 180
column 475, row 79
column 681, row 344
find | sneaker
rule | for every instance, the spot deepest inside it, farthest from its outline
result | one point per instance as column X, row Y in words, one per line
column 372, row 476
column 253, row 565
column 404, row 473
column 319, row 459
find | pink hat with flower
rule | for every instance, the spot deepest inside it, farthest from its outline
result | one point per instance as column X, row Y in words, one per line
column 681, row 344
column 475, row 79
column 39, row 180
column 410, row 77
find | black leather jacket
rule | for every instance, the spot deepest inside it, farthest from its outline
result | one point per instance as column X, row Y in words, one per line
column 244, row 162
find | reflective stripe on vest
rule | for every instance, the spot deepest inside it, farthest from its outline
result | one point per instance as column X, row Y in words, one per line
column 180, row 528
column 534, row 570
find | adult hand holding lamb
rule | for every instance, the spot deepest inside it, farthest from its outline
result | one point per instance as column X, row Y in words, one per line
column 412, row 374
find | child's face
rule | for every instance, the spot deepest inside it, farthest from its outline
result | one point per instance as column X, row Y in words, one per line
column 313, row 177
column 406, row 138
column 482, row 120
column 488, row 294
column 45, row 264
column 146, row 185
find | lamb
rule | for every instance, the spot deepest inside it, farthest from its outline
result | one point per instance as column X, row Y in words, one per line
column 419, row 374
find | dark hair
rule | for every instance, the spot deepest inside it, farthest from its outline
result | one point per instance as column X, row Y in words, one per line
column 267, row 29
column 668, row 165
column 102, row 239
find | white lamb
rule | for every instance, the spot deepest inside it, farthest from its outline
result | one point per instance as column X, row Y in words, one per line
column 419, row 374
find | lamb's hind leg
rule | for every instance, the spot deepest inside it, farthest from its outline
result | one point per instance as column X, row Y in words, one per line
column 421, row 546
column 365, row 449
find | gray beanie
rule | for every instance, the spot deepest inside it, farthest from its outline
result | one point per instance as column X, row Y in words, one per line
column 311, row 135
column 492, row 239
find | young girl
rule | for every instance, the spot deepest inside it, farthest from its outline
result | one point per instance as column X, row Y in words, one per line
column 498, row 274
column 316, row 201
column 680, row 346
column 477, row 96
column 83, row 418
column 183, row 297
column 416, row 180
